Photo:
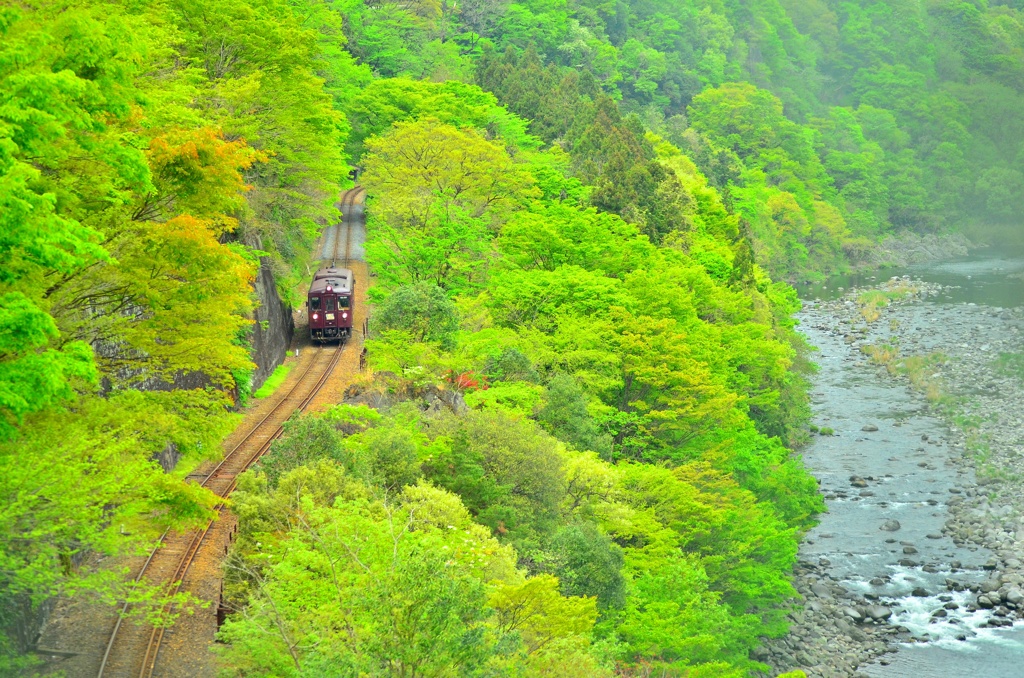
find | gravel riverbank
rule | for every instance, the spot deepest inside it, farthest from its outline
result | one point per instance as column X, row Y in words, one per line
column 963, row 578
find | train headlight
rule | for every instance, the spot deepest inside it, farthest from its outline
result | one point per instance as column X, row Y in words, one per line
column 344, row 315
column 315, row 316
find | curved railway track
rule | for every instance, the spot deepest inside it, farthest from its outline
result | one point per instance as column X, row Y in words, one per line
column 176, row 552
column 221, row 479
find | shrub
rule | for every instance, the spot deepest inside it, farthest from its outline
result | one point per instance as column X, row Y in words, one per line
column 423, row 310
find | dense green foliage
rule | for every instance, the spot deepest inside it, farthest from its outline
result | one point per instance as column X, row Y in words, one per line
column 577, row 210
column 493, row 549
column 140, row 165
column 826, row 124
column 632, row 388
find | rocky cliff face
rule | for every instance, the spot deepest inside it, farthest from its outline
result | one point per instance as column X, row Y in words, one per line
column 906, row 249
column 271, row 334
column 273, row 329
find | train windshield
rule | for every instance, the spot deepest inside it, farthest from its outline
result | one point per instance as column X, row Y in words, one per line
column 330, row 303
column 343, row 303
column 314, row 303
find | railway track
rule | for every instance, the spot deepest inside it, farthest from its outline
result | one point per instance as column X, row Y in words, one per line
column 171, row 560
column 343, row 230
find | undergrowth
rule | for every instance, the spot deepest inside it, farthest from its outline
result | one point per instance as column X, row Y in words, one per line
column 923, row 373
column 886, row 355
column 273, row 381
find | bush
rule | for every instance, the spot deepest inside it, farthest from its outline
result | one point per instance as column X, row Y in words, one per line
column 391, row 452
column 588, row 563
column 511, row 365
column 565, row 416
column 507, row 471
column 423, row 311
column 306, row 439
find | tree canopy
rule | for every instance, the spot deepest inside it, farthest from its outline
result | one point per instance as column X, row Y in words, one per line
column 581, row 218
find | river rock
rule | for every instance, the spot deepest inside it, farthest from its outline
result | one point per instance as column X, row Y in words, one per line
column 890, row 525
column 989, row 585
column 878, row 612
column 919, row 592
column 851, row 613
column 858, row 635
column 985, row 603
column 870, row 428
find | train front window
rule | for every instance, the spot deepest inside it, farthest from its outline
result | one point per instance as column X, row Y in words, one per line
column 314, row 303
column 343, row 303
column 330, row 303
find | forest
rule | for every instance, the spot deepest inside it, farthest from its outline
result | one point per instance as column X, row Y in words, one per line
column 583, row 219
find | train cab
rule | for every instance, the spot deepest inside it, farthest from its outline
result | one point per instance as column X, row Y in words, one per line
column 330, row 304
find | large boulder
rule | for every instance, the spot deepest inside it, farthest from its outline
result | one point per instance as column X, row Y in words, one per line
column 878, row 612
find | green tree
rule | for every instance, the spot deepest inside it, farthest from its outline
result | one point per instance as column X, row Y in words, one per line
column 423, row 311
column 509, row 470
column 437, row 190
column 588, row 563
column 405, row 587
column 139, row 149
column 565, row 416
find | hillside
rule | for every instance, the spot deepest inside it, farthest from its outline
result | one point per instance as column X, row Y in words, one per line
column 581, row 220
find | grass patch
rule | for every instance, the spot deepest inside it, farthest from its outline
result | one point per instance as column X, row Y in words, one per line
column 1010, row 364
column 922, row 370
column 273, row 381
column 872, row 301
column 885, row 355
column 822, row 430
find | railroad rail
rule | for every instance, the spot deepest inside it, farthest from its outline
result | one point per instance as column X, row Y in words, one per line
column 171, row 560
column 222, row 479
column 348, row 200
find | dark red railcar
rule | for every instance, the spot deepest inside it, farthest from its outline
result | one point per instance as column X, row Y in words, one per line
column 330, row 304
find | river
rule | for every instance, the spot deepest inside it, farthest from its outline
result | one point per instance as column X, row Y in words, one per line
column 891, row 460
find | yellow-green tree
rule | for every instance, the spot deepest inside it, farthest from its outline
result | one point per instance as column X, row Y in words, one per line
column 437, row 193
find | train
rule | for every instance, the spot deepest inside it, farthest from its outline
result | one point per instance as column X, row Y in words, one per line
column 331, row 304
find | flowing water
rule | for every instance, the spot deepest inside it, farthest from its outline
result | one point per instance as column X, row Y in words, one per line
column 908, row 478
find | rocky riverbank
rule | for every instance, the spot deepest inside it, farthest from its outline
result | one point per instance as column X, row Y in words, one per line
column 908, row 248
column 948, row 359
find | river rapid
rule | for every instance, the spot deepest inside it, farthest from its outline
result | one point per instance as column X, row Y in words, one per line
column 915, row 568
